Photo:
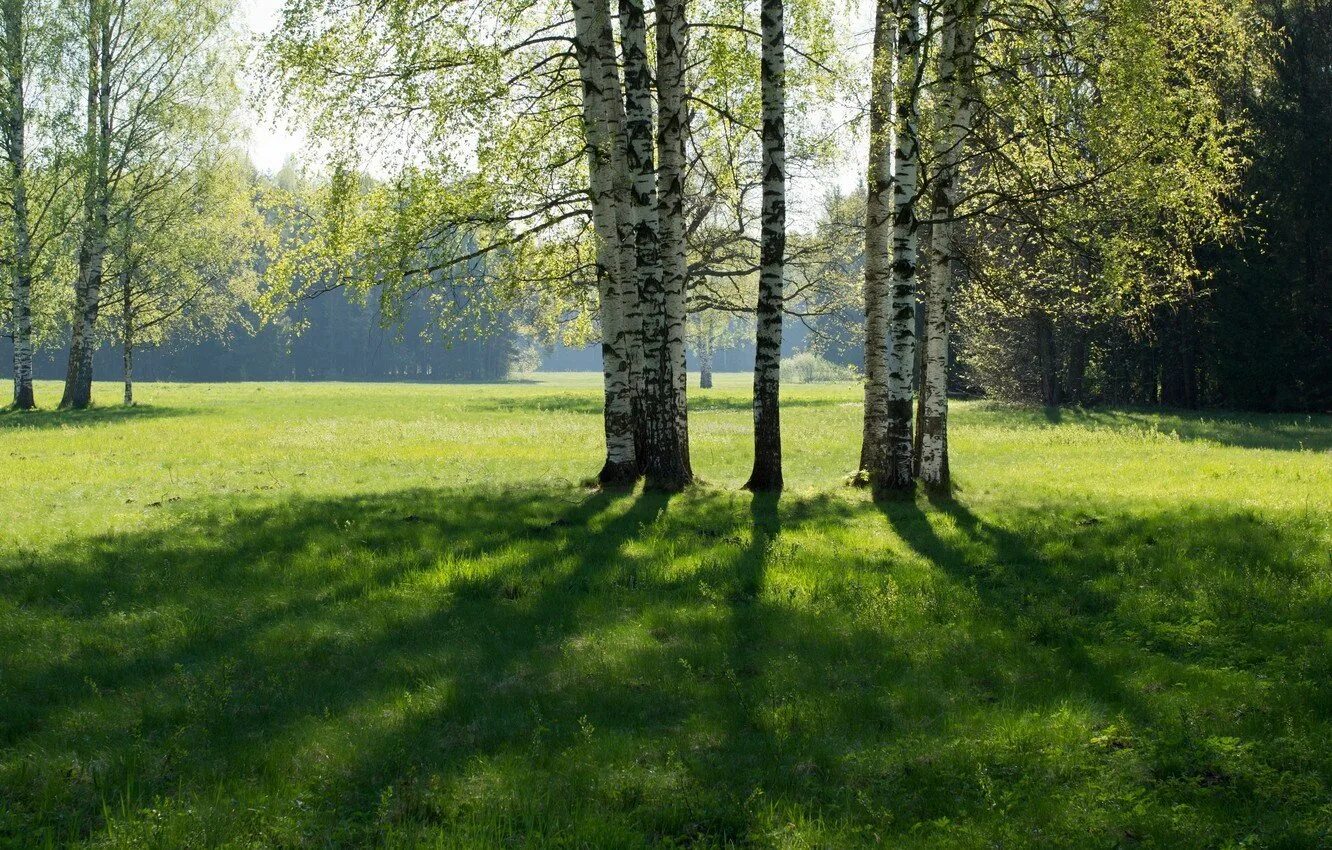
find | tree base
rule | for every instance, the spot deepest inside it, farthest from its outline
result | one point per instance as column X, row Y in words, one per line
column 764, row 481
column 618, row 476
column 893, row 489
column 25, row 399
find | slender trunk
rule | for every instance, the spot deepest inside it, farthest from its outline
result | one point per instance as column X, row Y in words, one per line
column 626, row 222
column 662, row 462
column 1077, row 367
column 897, row 472
column 591, row 17
column 878, row 225
column 672, row 121
column 767, row 473
column 1048, row 358
column 127, row 319
column 705, row 365
column 956, row 77
column 15, row 128
column 919, row 369
column 92, row 246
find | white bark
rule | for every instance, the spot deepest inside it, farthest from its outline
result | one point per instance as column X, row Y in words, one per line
column 15, row 128
column 897, row 472
column 591, row 18
column 97, row 201
column 878, row 223
column 631, row 310
column 767, row 473
column 671, row 126
column 662, row 463
column 957, row 63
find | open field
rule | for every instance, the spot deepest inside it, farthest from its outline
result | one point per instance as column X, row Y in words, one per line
column 349, row 615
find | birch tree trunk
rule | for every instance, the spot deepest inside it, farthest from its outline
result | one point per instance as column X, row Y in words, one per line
column 897, row 472
column 705, row 365
column 672, row 121
column 591, row 18
column 878, row 223
column 956, row 77
column 92, row 245
column 767, row 473
column 631, row 309
column 127, row 337
column 15, row 128
column 662, row 462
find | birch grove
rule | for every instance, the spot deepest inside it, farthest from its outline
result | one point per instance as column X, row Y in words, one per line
column 651, row 183
column 956, row 106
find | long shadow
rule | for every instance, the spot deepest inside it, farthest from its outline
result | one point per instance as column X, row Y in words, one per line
column 11, row 419
column 1024, row 594
column 499, row 667
column 240, row 598
column 1120, row 615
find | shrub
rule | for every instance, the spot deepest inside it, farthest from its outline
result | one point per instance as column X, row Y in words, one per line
column 809, row 368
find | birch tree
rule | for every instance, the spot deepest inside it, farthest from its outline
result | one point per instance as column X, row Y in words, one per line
column 672, row 126
column 15, row 139
column 100, row 65
column 877, row 251
column 182, row 257
column 897, row 471
column 766, row 475
column 954, row 112
column 592, row 21
column 150, row 69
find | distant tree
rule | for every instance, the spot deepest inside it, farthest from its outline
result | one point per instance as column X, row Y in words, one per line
column 159, row 75
column 706, row 331
column 183, row 258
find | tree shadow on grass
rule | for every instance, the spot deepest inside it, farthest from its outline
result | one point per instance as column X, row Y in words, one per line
column 490, row 667
column 1168, row 629
column 15, row 420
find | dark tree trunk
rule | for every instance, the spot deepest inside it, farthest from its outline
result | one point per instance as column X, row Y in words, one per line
column 1076, row 379
column 127, row 318
column 1048, row 357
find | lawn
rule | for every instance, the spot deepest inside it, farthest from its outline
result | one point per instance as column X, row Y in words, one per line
column 311, row 615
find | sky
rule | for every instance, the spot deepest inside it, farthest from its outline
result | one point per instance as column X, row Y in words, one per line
column 270, row 142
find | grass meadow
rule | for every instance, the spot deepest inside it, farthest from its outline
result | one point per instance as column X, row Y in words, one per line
column 350, row 615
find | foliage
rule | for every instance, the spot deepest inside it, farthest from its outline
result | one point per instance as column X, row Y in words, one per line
column 806, row 367
column 1120, row 154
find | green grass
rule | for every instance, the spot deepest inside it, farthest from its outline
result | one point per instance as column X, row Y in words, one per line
column 349, row 615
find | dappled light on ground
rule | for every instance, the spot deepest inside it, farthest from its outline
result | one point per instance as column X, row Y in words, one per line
column 484, row 664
